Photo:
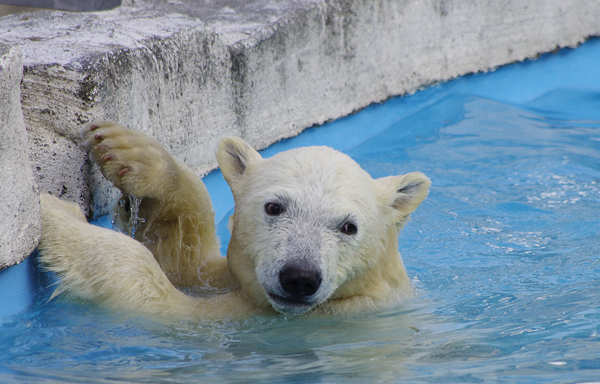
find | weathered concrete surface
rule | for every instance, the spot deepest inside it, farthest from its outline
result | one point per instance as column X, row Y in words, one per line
column 19, row 199
column 189, row 72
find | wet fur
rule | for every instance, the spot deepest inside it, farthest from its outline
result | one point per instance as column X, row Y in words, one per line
column 176, row 246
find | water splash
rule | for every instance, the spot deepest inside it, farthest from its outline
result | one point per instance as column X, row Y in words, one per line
column 134, row 219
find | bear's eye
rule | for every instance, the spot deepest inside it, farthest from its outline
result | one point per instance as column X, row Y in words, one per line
column 349, row 228
column 273, row 209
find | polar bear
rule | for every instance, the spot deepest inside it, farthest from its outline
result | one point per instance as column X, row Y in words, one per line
column 312, row 233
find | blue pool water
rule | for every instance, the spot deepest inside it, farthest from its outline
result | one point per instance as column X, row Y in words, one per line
column 504, row 256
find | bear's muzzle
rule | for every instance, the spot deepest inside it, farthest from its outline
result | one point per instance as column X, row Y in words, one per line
column 297, row 288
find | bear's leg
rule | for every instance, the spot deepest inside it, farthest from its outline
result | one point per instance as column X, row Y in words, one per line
column 99, row 264
column 113, row 270
column 178, row 225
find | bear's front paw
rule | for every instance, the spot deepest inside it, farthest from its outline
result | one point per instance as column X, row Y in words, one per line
column 133, row 161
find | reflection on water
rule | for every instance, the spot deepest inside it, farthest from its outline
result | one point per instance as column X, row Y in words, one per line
column 504, row 257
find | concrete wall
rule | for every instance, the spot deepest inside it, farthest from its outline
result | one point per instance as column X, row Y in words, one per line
column 19, row 196
column 190, row 72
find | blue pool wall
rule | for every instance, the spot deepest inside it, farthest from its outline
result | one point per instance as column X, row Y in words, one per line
column 23, row 285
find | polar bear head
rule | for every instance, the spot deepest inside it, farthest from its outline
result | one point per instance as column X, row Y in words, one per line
column 310, row 227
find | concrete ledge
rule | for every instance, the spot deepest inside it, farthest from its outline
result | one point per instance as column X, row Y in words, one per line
column 189, row 73
column 20, row 226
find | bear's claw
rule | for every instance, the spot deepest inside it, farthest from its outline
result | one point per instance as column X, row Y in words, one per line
column 136, row 163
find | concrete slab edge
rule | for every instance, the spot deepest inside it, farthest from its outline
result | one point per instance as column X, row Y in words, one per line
column 20, row 226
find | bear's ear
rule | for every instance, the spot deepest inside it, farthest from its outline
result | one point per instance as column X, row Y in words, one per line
column 234, row 156
column 404, row 193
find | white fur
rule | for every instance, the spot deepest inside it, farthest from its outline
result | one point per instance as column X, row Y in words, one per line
column 319, row 191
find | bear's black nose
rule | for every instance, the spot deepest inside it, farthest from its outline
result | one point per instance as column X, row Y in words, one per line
column 299, row 282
